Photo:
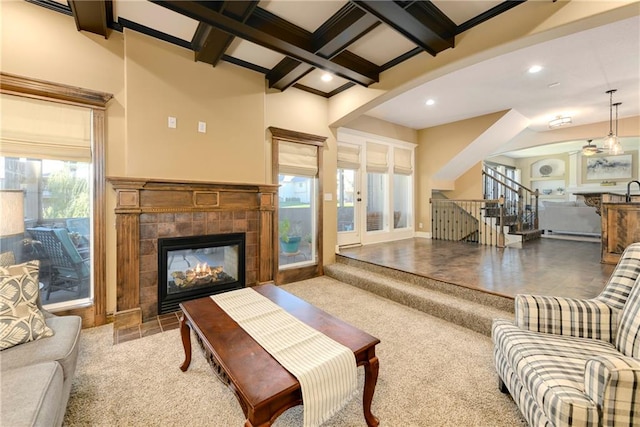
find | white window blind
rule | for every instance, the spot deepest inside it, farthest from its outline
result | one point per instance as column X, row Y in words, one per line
column 297, row 159
column 402, row 161
column 348, row 156
column 377, row 158
column 39, row 129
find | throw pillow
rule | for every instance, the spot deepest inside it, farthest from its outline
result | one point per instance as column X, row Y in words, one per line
column 21, row 320
column 7, row 258
column 628, row 340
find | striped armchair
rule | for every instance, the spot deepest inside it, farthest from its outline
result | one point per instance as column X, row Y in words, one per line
column 573, row 362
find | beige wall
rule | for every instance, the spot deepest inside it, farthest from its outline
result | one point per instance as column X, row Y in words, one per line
column 380, row 127
column 163, row 80
column 436, row 147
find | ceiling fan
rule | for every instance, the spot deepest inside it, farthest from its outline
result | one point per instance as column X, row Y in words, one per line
column 589, row 149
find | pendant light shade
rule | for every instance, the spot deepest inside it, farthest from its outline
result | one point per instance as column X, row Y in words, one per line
column 616, row 147
column 611, row 140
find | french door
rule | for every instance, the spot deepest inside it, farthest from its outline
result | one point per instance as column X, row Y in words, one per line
column 349, row 205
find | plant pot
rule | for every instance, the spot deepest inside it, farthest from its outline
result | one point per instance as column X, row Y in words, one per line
column 291, row 246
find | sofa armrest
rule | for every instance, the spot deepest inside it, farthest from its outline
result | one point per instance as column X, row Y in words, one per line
column 613, row 383
column 566, row 316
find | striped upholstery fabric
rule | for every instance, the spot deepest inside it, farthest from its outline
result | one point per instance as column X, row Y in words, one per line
column 612, row 382
column 566, row 316
column 628, row 340
column 572, row 362
column 617, row 290
column 551, row 369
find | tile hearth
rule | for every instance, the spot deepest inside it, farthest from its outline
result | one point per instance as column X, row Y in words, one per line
column 161, row 323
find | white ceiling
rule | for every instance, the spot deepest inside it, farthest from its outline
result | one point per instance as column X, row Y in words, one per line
column 577, row 71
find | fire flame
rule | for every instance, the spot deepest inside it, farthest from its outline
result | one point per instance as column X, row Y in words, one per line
column 202, row 270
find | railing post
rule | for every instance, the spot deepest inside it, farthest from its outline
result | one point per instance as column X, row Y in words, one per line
column 520, row 210
column 501, row 240
column 535, row 217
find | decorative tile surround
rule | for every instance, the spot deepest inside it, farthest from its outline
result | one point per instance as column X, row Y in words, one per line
column 150, row 209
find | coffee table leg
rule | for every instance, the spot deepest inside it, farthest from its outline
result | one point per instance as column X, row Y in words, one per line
column 370, row 380
column 185, row 332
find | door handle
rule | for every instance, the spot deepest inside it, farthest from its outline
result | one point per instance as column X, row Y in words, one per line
column 358, row 199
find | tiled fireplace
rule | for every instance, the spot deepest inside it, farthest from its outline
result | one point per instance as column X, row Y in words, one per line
column 195, row 266
column 152, row 211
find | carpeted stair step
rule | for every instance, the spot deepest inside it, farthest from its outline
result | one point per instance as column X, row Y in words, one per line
column 479, row 296
column 465, row 312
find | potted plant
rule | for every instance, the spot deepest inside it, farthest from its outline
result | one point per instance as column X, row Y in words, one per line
column 289, row 236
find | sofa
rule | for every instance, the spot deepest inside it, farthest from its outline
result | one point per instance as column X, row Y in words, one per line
column 575, row 362
column 38, row 352
column 568, row 217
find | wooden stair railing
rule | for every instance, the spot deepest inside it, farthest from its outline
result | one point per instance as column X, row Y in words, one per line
column 466, row 220
column 521, row 203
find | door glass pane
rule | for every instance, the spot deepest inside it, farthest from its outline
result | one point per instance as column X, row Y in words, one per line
column 297, row 220
column 346, row 199
column 57, row 212
column 376, row 201
column 401, row 201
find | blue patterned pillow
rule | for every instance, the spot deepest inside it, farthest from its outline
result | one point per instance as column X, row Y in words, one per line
column 628, row 340
column 20, row 318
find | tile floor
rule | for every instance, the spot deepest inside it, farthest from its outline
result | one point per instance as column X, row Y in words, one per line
column 161, row 323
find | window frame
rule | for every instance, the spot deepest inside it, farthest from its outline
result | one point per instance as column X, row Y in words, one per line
column 293, row 274
column 94, row 314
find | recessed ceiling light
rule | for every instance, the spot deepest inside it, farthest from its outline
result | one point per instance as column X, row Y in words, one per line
column 326, row 77
column 535, row 69
column 430, row 102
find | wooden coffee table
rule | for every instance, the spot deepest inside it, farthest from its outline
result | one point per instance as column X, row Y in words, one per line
column 263, row 387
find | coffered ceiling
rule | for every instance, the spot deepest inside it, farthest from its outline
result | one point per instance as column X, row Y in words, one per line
column 293, row 43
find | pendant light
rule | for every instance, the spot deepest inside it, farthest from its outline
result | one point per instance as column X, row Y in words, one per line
column 616, row 148
column 611, row 139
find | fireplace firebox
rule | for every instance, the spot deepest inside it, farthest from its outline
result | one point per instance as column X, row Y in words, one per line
column 197, row 266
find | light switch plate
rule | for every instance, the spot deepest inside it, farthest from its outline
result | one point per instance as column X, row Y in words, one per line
column 202, row 127
column 328, row 197
column 172, row 122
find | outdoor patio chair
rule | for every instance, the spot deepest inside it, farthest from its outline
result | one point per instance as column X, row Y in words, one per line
column 69, row 269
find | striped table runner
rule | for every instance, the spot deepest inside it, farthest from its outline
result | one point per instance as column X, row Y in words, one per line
column 325, row 369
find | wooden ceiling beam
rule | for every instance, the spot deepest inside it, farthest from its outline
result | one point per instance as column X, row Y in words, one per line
column 209, row 43
column 419, row 21
column 343, row 28
column 202, row 13
column 93, row 16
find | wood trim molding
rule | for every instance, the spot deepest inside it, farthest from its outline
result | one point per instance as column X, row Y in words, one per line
column 34, row 88
column 307, row 272
column 139, row 196
column 95, row 314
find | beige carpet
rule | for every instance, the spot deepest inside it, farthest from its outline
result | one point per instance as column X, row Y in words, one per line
column 432, row 373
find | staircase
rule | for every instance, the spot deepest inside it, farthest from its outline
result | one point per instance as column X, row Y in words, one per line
column 507, row 214
column 462, row 306
column 520, row 203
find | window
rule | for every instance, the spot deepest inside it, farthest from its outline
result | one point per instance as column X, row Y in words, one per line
column 384, row 166
column 402, row 184
column 297, row 160
column 52, row 151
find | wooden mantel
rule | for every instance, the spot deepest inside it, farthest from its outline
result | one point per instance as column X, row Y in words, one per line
column 171, row 208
